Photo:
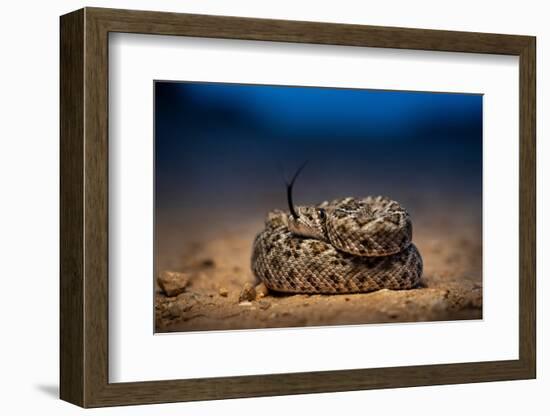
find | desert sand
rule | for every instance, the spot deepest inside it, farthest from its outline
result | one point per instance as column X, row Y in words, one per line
column 219, row 267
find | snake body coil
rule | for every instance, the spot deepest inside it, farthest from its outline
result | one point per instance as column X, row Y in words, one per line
column 344, row 246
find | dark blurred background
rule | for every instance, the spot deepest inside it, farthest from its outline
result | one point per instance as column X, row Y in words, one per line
column 222, row 151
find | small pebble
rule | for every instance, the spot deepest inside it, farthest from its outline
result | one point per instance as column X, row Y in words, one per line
column 173, row 283
column 223, row 292
column 261, row 291
column 248, row 293
column 245, row 303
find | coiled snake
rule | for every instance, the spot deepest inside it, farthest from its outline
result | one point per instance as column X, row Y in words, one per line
column 345, row 246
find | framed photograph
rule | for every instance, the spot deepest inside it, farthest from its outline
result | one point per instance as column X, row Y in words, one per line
column 255, row 207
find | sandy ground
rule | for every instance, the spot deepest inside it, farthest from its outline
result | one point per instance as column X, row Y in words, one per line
column 219, row 267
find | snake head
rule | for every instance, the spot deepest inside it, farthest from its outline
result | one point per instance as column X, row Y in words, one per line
column 309, row 222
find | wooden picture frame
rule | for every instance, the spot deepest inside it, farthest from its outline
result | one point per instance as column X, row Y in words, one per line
column 84, row 207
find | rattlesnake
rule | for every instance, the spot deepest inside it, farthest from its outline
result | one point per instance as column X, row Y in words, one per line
column 345, row 246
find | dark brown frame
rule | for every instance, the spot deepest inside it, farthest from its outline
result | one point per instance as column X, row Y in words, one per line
column 84, row 214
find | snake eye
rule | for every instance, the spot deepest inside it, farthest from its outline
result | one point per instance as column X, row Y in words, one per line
column 321, row 213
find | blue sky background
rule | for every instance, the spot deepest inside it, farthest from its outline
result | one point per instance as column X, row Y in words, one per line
column 227, row 147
